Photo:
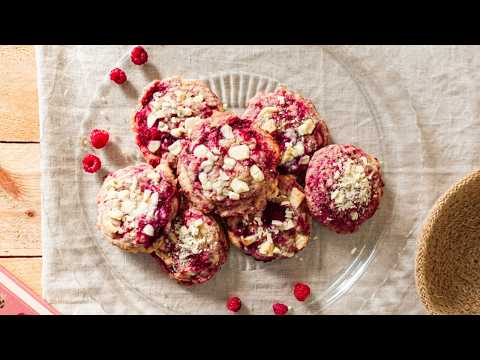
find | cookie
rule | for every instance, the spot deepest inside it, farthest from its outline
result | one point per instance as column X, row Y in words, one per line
column 293, row 122
column 136, row 205
column 195, row 249
column 279, row 231
column 167, row 112
column 344, row 187
column 228, row 167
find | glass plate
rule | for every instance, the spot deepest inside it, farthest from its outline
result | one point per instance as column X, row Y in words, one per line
column 360, row 105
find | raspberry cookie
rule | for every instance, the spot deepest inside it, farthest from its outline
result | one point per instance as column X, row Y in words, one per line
column 167, row 112
column 195, row 248
column 136, row 205
column 293, row 122
column 343, row 187
column 228, row 167
column 280, row 230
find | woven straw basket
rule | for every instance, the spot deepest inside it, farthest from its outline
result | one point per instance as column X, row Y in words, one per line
column 448, row 252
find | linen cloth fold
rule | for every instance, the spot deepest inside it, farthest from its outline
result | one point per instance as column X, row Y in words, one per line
column 439, row 86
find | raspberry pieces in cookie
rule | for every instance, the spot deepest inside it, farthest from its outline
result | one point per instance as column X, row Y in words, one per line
column 195, row 248
column 293, row 122
column 167, row 112
column 136, row 205
column 280, row 230
column 343, row 187
column 228, row 167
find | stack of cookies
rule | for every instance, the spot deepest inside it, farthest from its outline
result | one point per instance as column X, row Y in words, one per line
column 212, row 178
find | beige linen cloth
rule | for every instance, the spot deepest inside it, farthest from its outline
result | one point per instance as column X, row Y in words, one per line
column 434, row 90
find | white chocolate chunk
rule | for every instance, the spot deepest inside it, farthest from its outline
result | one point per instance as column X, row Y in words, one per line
column 175, row 148
column 186, row 112
column 218, row 186
column 268, row 125
column 162, row 127
column 128, row 206
column 148, row 230
column 239, row 186
column 227, row 131
column 225, row 142
column 178, row 132
column 123, row 194
column 266, row 248
column 180, row 95
column 233, row 195
column 306, row 128
column 153, row 146
column 202, row 177
column 110, row 228
column 304, row 160
column 301, row 241
column 228, row 163
column 154, row 199
column 239, row 152
column 201, row 151
column 288, row 154
column 299, row 149
column 198, row 222
column 267, row 112
column 354, row 215
column 287, row 225
column 296, row 197
column 206, row 165
column 276, row 223
column 146, row 194
column 116, row 214
column 281, row 100
column 223, row 176
column 190, row 123
column 198, row 99
column 153, row 116
column 248, row 240
column 256, row 173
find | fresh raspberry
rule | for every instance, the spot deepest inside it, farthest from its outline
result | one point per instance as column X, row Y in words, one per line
column 139, row 55
column 91, row 163
column 99, row 138
column 118, row 75
column 280, row 309
column 234, row 304
column 301, row 291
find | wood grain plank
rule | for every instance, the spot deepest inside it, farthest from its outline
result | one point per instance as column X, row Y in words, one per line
column 20, row 200
column 28, row 270
column 18, row 94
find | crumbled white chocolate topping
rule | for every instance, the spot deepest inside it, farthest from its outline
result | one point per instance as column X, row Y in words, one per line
column 352, row 188
column 265, row 234
column 222, row 175
column 175, row 110
column 127, row 203
column 192, row 239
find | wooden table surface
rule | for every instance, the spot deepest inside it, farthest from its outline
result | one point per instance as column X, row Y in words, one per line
column 20, row 240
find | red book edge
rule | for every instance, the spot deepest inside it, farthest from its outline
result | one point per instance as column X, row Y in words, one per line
column 29, row 292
